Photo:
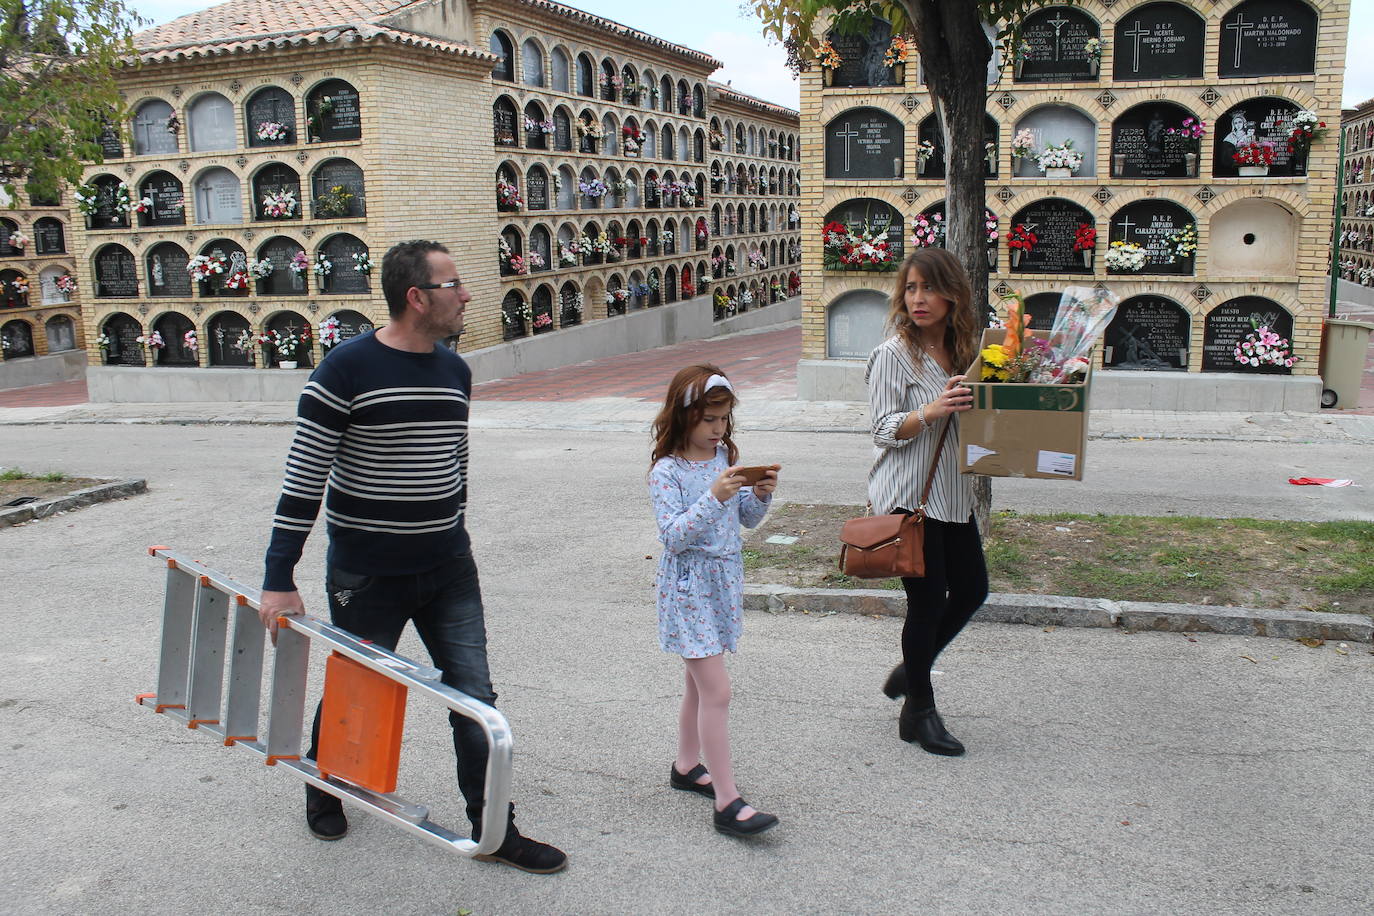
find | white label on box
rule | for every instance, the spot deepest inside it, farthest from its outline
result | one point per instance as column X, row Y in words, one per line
column 977, row 453
column 1061, row 463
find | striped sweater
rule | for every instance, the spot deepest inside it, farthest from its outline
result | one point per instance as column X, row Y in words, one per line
column 382, row 438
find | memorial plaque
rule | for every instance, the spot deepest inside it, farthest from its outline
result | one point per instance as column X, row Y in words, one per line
column 874, row 215
column 218, row 198
column 1159, row 41
column 562, row 132
column 273, row 179
column 345, row 277
column 106, row 215
column 537, row 190
column 1267, row 38
column 48, row 237
column 290, row 323
column 342, row 172
column 862, row 56
column 167, row 274
column 1055, row 40
column 864, row 143
column 503, row 123
column 18, row 338
column 1147, row 332
column 855, row 324
column 351, row 324
column 1055, row 224
column 61, row 334
column 212, row 123
column 1041, row 309
column 930, row 131
column 7, row 228
column 116, row 275
column 344, row 121
column 151, row 136
column 1151, row 224
column 1141, row 136
column 237, row 261
column 1260, row 119
column 111, row 146
column 125, row 350
column 1230, row 322
column 173, row 328
column 228, row 347
column 271, row 105
column 541, row 303
column 169, row 201
column 282, row 281
column 540, row 245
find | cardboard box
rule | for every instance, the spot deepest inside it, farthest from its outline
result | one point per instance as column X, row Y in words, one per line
column 1024, row 430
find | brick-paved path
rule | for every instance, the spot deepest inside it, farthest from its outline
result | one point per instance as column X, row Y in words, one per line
column 58, row 394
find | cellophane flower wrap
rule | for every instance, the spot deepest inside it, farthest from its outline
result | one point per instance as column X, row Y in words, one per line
column 1082, row 319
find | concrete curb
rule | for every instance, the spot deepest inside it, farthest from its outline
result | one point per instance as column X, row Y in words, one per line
column 1060, row 611
column 77, row 499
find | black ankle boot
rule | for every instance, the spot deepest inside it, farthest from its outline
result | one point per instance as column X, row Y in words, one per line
column 924, row 727
column 895, row 685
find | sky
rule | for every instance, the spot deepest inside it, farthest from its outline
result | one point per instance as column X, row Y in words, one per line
column 729, row 32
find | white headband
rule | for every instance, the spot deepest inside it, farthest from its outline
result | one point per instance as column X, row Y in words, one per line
column 715, row 381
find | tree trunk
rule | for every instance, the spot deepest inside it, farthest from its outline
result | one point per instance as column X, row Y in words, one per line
column 954, row 60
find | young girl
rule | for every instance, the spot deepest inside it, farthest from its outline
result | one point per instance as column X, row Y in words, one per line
column 700, row 502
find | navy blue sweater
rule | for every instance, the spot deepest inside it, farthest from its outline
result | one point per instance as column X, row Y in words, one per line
column 387, row 432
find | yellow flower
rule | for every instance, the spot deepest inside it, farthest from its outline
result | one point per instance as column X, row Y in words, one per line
column 995, row 355
column 989, row 372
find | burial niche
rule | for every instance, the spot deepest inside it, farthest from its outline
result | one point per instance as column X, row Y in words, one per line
column 1159, row 41
column 855, row 324
column 174, row 351
column 271, row 114
column 1232, row 322
column 1147, row 332
column 230, row 341
column 347, row 256
column 1259, row 120
column 1144, row 147
column 1166, row 231
column 1268, row 38
column 861, row 56
column 152, row 135
column 1055, row 223
column 218, row 197
column 1054, row 46
column 116, row 275
column 864, row 143
column 16, row 338
column 48, row 236
column 123, row 333
column 167, row 274
column 165, row 200
column 211, row 118
column 861, row 216
column 335, row 112
column 282, row 278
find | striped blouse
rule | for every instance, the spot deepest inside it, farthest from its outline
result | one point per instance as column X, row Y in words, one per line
column 897, row 386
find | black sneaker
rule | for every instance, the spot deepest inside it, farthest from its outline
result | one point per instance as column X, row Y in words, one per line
column 527, row 855
column 324, row 815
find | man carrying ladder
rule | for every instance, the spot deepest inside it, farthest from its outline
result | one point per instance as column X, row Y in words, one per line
column 382, row 438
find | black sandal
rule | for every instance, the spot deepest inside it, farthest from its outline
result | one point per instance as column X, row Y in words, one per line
column 726, row 821
column 687, row 782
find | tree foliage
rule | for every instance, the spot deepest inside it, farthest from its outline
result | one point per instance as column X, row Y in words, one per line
column 57, row 88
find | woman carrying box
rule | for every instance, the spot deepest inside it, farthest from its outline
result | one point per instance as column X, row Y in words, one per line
column 913, row 393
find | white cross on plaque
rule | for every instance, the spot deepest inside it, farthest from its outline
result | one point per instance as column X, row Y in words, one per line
column 1137, row 33
column 846, row 135
column 1058, row 26
column 1240, row 27
column 1126, row 225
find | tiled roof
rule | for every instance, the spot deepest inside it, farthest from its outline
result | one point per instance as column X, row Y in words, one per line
column 730, row 94
column 623, row 31
column 246, row 25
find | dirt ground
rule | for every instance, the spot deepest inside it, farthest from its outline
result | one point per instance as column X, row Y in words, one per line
column 43, row 489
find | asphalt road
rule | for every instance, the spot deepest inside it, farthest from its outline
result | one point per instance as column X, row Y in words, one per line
column 1144, row 773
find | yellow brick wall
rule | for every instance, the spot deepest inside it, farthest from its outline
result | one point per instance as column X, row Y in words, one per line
column 28, row 264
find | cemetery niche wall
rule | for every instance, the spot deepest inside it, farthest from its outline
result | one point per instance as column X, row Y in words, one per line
column 1231, row 322
column 1148, row 332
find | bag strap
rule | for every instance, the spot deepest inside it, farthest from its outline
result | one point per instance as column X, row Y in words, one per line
column 934, row 464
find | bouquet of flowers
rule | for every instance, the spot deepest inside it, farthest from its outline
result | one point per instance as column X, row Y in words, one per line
column 924, row 150
column 1084, row 238
column 190, row 340
column 1093, row 47
column 567, row 254
column 827, row 56
column 300, row 263
column 616, row 297
column 845, row 249
column 666, row 237
column 990, row 226
column 1060, row 156
column 1262, row 347
column 237, row 280
column 927, row 230
column 362, row 262
column 1191, row 130
column 86, row 198
column 323, row 266
column 272, row 131
column 1125, row 256
column 18, row 240
column 279, row 204
column 703, row 234
column 287, row 344
column 588, row 128
column 1023, row 144
column 1022, row 239
column 144, row 205
column 1304, row 130
column 717, row 140
column 103, row 342
column 508, row 196
column 205, row 267
column 573, row 305
column 1259, row 152
column 592, row 189
column 757, row 260
column 896, row 52
column 20, row 285
column 329, row 332
column 532, row 126
column 632, row 138
column 745, row 297
column 1182, row 243
column 65, row 284
column 543, row 320
column 153, row 340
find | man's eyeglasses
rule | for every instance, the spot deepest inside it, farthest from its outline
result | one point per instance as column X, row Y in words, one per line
column 448, row 284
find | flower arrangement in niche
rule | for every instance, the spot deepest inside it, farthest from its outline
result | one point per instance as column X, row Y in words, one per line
column 153, row 340
column 827, row 56
column 65, row 284
column 191, row 341
column 1023, row 145
column 855, row 249
column 1192, row 130
column 543, row 320
column 1182, row 243
column 300, row 263
column 1263, row 347
column 924, row 150
column 286, row 344
column 666, row 237
column 279, row 203
column 260, row 269
column 18, row 240
column 336, row 201
column 757, row 260
column 1059, row 156
column 1256, row 153
column 86, row 198
column 1125, row 256
column 592, row 188
column 103, row 342
column 1021, row 239
column 1304, row 130
column 990, row 227
column 237, row 280
column 323, row 266
column 717, row 141
column 273, row 132
column 508, row 197
column 567, row 254
column 896, row 52
column 632, row 138
column 517, row 315
column 928, row 230
column 1084, row 238
column 329, row 332
column 617, row 297
column 206, row 267
column 588, row 128
column 745, row 297
column 362, row 262
column 1093, row 48
column 533, row 126
column 20, row 285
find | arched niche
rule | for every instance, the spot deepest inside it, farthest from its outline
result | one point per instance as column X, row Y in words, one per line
column 1159, row 41
column 329, row 202
column 855, row 323
column 1267, row 38
column 504, row 49
column 229, row 340
column 16, row 339
column 163, row 199
column 61, row 333
column 531, row 63
column 1253, row 238
column 1148, row 332
column 116, row 274
column 561, row 68
column 1231, row 322
column 862, row 215
column 562, row 130
column 1264, row 119
column 541, row 309
column 235, row 261
column 152, row 134
column 565, row 191
column 513, row 321
column 864, row 143
column 352, row 323
column 1144, row 147
column 270, row 116
column 1041, row 309
column 1160, row 227
column 335, row 112
column 1055, row 223
column 537, row 188
column 541, row 244
column 166, row 270
column 292, row 323
column 211, row 123
column 281, row 279
column 537, row 126
column 861, row 56
column 218, row 197
column 275, row 187
column 50, row 294
column 49, row 236
column 1053, row 125
column 503, row 120
column 110, row 203
column 175, row 351
column 586, row 76
column 348, row 272
column 1053, row 46
column 569, row 305
column 123, row 332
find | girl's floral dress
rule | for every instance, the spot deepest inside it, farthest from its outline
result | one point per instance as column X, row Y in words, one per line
column 701, row 573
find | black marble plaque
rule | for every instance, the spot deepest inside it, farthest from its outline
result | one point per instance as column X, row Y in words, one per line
column 111, row 146
column 351, row 324
column 226, row 333
column 1041, row 309
column 1268, row 37
column 1258, row 119
column 48, row 237
column 877, row 216
column 116, row 275
column 169, row 200
column 562, row 132
column 537, row 190
column 345, row 277
column 1149, row 224
column 282, row 281
column 271, row 104
column 931, row 131
column 18, row 338
column 1159, row 41
column 344, row 122
column 541, row 245
column 173, row 328
column 1055, row 224
column 1054, row 40
column 106, row 215
column 167, row 274
column 1141, row 135
column 1230, row 322
column 1147, row 332
column 862, row 56
column 503, row 124
column 236, row 260
column 864, row 143
column 274, row 178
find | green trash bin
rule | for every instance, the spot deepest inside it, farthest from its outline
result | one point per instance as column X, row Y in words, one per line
column 1345, row 345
